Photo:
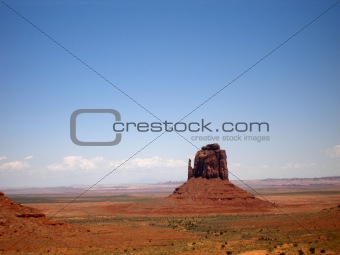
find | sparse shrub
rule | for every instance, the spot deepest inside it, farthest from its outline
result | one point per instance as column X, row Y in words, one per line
column 262, row 238
column 322, row 251
column 229, row 252
column 295, row 244
column 221, row 232
column 312, row 250
column 301, row 252
column 222, row 246
column 282, row 253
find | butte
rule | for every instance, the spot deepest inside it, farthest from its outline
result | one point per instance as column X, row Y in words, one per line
column 208, row 182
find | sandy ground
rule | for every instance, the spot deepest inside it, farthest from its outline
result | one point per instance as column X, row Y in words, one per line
column 297, row 223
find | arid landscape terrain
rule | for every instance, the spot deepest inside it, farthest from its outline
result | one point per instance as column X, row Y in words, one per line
column 304, row 218
column 170, row 127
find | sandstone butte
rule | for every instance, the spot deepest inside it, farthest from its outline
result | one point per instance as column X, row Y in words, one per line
column 208, row 181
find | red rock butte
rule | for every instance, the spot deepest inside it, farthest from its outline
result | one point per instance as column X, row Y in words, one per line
column 210, row 162
column 208, row 181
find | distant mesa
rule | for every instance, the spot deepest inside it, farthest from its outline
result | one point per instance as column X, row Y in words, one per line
column 208, row 181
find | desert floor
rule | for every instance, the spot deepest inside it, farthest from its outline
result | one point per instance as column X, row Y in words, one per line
column 301, row 221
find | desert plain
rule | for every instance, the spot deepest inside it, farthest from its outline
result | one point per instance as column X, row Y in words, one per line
column 303, row 217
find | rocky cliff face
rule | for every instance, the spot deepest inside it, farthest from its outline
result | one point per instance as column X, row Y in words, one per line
column 210, row 162
column 23, row 227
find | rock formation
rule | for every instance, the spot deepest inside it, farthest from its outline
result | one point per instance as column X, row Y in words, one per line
column 210, row 162
column 210, row 190
column 208, row 182
column 27, row 225
column 18, row 210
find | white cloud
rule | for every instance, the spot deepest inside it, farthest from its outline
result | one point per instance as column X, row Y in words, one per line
column 154, row 162
column 74, row 163
column 265, row 166
column 287, row 166
column 298, row 165
column 333, row 152
column 14, row 165
column 235, row 165
column 100, row 163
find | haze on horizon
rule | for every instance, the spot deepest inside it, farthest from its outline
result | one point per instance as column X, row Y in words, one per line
column 169, row 57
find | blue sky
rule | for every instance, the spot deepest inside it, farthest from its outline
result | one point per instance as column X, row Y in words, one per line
column 169, row 56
